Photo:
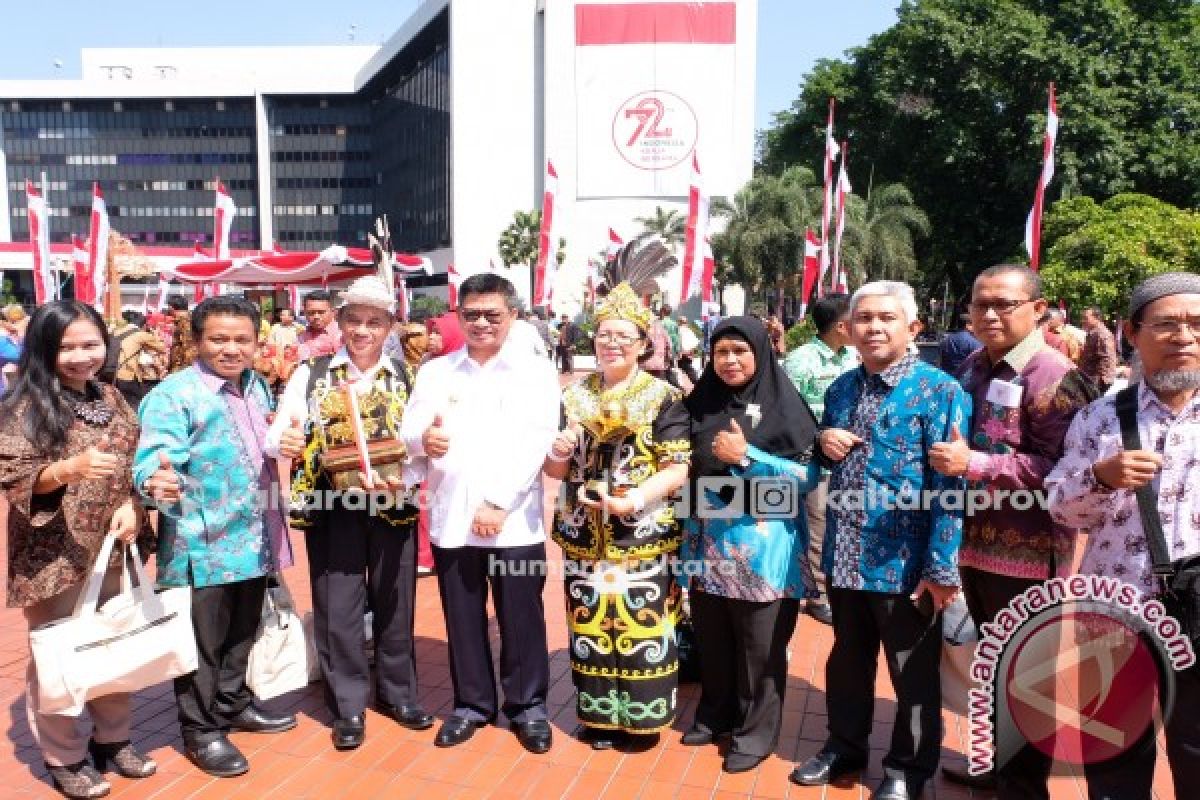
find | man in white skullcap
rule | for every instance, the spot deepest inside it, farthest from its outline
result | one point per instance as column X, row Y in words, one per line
column 361, row 544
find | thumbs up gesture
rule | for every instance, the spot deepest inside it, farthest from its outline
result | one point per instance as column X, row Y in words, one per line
column 92, row 464
column 951, row 457
column 566, row 441
column 164, row 484
column 730, row 445
column 436, row 440
column 291, row 442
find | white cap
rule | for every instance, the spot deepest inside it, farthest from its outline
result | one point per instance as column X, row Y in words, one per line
column 369, row 291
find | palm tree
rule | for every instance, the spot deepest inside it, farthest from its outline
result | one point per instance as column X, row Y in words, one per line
column 881, row 234
column 670, row 226
column 763, row 243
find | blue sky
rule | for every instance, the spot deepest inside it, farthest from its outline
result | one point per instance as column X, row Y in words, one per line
column 792, row 34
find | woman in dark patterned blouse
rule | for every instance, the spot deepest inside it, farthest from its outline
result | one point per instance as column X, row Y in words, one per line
column 66, row 444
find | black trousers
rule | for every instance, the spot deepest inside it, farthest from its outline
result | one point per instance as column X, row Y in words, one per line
column 566, row 358
column 743, row 668
column 912, row 646
column 355, row 557
column 1026, row 773
column 517, row 576
column 1131, row 776
column 225, row 619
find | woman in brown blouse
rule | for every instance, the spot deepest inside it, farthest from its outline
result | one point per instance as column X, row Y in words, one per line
column 66, row 444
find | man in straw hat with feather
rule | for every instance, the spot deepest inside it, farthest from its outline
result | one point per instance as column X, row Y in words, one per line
column 339, row 421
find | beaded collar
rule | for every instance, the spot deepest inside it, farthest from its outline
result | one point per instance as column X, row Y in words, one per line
column 90, row 405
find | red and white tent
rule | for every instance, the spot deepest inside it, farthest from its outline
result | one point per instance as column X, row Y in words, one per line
column 334, row 264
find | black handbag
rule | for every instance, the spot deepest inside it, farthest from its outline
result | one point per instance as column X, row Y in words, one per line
column 1180, row 580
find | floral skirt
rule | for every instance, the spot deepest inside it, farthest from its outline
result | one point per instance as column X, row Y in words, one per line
column 624, row 657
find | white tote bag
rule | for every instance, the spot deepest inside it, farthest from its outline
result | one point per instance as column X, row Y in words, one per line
column 136, row 639
column 281, row 659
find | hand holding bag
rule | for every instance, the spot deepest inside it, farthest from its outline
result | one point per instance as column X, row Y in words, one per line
column 281, row 659
column 136, row 639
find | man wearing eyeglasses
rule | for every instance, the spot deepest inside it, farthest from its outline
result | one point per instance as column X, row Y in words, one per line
column 1024, row 395
column 484, row 418
column 1096, row 486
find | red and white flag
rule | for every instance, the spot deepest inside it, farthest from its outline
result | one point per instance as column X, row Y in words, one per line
column 45, row 281
column 615, row 243
column 98, row 249
column 223, row 214
column 710, row 265
column 79, row 262
column 694, row 235
column 403, row 298
column 831, row 153
column 547, row 262
column 164, row 286
column 812, row 268
column 1033, row 223
column 453, row 281
column 843, row 191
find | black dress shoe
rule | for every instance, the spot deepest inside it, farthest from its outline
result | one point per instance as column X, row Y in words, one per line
column 740, row 762
column 455, row 731
column 698, row 736
column 412, row 717
column 895, row 787
column 219, row 758
column 824, row 768
column 348, row 733
column 535, row 735
column 820, row 612
column 255, row 720
column 985, row 782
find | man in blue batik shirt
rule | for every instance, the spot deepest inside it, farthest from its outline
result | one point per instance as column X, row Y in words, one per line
column 892, row 564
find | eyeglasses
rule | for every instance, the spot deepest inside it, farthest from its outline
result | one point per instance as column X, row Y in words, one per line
column 622, row 339
column 1171, row 327
column 475, row 314
column 1002, row 307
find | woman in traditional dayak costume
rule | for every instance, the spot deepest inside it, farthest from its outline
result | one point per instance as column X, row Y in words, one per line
column 622, row 454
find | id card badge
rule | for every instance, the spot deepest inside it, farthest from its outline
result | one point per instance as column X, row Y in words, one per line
column 1005, row 394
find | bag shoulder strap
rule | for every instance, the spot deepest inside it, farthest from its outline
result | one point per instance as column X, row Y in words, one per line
column 1126, row 403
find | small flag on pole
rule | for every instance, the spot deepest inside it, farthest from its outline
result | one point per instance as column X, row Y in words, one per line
column 547, row 261
column 45, row 282
column 1033, row 223
column 98, row 249
column 831, row 153
column 223, row 214
column 843, row 190
column 79, row 260
column 694, row 234
column 811, row 269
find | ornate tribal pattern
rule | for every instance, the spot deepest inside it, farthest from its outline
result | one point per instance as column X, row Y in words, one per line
column 624, row 658
column 381, row 410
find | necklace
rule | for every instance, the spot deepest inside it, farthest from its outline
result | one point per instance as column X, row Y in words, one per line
column 92, row 410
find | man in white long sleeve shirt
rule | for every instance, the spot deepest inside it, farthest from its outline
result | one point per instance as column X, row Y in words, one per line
column 484, row 417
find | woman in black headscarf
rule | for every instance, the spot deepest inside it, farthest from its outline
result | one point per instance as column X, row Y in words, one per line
column 753, row 439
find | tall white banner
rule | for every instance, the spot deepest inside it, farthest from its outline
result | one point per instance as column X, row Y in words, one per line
column 653, row 80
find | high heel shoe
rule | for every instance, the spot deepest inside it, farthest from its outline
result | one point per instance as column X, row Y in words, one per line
column 128, row 762
column 79, row 781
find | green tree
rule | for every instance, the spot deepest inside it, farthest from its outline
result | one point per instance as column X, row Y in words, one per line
column 763, row 242
column 519, row 243
column 1096, row 253
column 668, row 225
column 951, row 102
column 882, row 231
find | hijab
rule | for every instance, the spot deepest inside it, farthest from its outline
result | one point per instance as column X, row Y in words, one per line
column 786, row 426
column 452, row 336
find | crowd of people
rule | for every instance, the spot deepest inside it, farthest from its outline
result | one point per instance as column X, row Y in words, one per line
column 466, row 421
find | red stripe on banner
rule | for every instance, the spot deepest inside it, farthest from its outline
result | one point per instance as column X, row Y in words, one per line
column 655, row 23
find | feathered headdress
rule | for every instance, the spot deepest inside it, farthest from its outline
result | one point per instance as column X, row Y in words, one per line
column 381, row 253
column 629, row 276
